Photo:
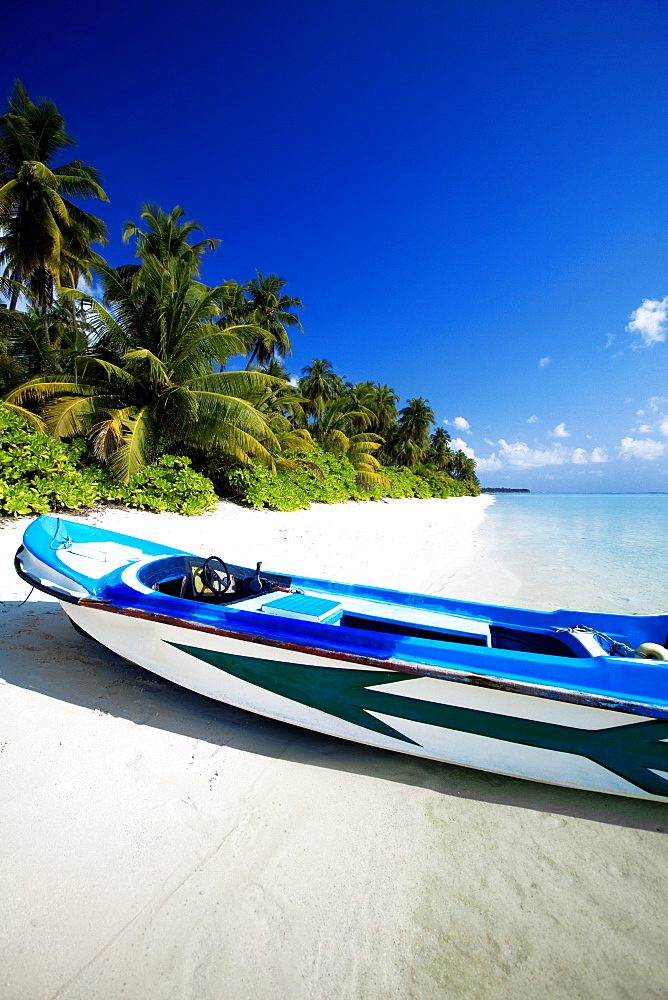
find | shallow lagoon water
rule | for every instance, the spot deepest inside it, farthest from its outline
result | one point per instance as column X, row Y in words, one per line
column 598, row 552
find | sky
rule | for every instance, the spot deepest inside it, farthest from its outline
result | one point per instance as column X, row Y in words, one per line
column 470, row 197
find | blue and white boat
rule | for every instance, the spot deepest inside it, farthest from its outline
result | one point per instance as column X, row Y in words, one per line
column 571, row 698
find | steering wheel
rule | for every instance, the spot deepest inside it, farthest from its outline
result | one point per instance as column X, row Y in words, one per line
column 212, row 578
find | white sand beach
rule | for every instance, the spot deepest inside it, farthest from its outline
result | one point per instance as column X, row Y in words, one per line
column 155, row 844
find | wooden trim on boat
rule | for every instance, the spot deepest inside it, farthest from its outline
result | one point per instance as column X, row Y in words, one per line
column 587, row 699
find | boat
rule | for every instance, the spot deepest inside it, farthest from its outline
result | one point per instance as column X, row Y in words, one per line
column 565, row 697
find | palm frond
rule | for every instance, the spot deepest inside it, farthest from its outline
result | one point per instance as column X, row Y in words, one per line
column 107, row 434
column 70, row 416
column 31, row 418
column 137, row 448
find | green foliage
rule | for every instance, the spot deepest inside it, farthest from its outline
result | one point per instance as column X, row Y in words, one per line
column 44, row 238
column 39, row 474
column 171, row 484
column 443, row 485
column 336, row 481
column 155, row 381
column 322, row 478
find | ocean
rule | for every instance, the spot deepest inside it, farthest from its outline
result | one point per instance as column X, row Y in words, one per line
column 597, row 552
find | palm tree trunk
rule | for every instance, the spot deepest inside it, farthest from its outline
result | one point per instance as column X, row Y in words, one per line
column 73, row 306
column 47, row 335
column 16, row 276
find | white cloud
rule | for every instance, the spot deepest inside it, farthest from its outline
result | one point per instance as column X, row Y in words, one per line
column 489, row 464
column 595, row 457
column 650, row 321
column 533, row 419
column 610, row 339
column 458, row 444
column 544, row 362
column 559, row 431
column 645, row 449
column 518, row 455
column 459, row 424
column 656, row 409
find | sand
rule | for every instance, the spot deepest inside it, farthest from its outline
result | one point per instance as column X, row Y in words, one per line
column 154, row 844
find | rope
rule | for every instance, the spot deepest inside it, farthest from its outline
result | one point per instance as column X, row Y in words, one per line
column 25, row 599
column 66, row 543
column 616, row 646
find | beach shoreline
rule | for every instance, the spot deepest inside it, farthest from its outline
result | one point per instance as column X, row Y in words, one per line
column 406, row 544
column 156, row 843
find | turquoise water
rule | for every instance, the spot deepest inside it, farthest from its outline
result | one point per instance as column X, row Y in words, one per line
column 600, row 552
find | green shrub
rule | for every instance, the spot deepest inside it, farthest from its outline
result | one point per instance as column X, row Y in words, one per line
column 168, row 485
column 319, row 478
column 39, row 474
column 333, row 481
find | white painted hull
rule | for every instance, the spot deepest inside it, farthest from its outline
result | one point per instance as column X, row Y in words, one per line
column 149, row 644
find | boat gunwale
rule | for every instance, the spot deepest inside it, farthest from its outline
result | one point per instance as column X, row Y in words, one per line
column 512, row 686
column 484, row 680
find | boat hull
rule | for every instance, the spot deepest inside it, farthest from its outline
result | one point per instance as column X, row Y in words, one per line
column 415, row 712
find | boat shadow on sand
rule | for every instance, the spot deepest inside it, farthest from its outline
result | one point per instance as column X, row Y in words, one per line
column 43, row 653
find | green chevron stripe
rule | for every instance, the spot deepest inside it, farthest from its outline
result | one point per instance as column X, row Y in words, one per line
column 630, row 751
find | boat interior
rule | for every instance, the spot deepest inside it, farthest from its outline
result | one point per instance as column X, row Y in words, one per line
column 240, row 588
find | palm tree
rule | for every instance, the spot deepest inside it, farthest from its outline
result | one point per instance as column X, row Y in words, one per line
column 337, row 429
column 319, row 385
column 276, row 369
column 382, row 401
column 151, row 382
column 44, row 235
column 25, row 348
column 24, row 341
column 269, row 312
column 235, row 309
column 411, row 440
column 462, row 467
column 166, row 237
column 440, row 454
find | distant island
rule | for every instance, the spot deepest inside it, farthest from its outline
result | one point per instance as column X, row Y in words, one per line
column 501, row 489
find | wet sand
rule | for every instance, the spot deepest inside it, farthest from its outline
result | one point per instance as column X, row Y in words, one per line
column 156, row 844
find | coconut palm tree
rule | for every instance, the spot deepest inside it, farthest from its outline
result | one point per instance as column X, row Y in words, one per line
column 166, row 237
column 269, row 311
column 276, row 369
column 440, row 454
column 410, row 441
column 462, row 467
column 382, row 401
column 319, row 385
column 24, row 341
column 235, row 309
column 151, row 383
column 42, row 232
column 337, row 429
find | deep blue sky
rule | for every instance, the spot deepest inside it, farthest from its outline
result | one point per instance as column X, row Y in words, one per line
column 455, row 189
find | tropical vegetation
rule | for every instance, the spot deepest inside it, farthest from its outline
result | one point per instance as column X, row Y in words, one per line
column 160, row 390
